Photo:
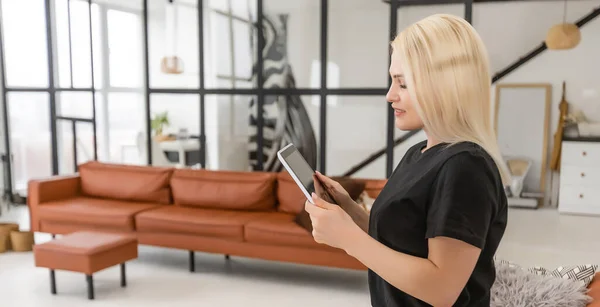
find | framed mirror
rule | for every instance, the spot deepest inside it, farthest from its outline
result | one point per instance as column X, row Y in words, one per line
column 522, row 118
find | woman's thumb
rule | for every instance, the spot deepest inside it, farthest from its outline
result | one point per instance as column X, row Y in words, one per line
column 319, row 202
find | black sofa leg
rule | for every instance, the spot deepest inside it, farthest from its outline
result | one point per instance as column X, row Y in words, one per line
column 192, row 262
column 53, row 236
column 90, row 286
column 123, row 276
column 226, row 257
column 52, row 282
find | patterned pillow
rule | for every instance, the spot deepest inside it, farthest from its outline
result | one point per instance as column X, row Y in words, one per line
column 584, row 272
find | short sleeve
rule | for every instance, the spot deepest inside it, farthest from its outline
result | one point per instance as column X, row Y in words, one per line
column 464, row 199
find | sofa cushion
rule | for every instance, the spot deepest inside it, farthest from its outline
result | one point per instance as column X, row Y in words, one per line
column 290, row 197
column 94, row 212
column 126, row 182
column 248, row 191
column 205, row 222
column 279, row 228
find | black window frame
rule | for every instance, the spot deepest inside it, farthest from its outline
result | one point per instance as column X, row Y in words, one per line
column 259, row 91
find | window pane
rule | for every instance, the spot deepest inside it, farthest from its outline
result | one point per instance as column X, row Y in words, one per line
column 288, row 119
column 80, row 44
column 358, row 43
column 219, row 5
column 182, row 114
column 169, row 39
column 24, row 25
column 98, row 42
column 295, row 37
column 356, row 128
column 242, row 8
column 121, row 128
column 80, row 40
column 84, row 144
column 75, row 104
column 222, row 44
column 29, row 119
column 243, row 49
column 125, row 45
column 229, row 49
column 228, row 131
column 62, row 43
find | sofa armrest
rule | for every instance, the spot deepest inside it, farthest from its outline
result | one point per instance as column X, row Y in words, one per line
column 55, row 188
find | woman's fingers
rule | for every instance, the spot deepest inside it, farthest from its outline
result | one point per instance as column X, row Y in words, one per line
column 328, row 182
column 318, row 185
column 319, row 202
column 333, row 187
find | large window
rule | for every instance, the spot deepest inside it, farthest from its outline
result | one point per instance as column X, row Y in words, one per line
column 94, row 81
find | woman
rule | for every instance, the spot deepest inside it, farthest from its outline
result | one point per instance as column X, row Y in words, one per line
column 433, row 231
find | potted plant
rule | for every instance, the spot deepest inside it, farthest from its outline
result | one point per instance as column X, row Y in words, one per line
column 159, row 122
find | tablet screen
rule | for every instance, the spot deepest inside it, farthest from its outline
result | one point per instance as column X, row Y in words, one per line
column 299, row 167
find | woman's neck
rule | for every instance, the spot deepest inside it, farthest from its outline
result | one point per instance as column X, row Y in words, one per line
column 430, row 142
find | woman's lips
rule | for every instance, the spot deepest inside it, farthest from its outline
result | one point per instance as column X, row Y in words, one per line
column 399, row 112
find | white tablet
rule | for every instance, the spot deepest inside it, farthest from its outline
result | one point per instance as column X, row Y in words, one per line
column 298, row 168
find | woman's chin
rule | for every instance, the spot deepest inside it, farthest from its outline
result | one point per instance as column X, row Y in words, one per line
column 406, row 126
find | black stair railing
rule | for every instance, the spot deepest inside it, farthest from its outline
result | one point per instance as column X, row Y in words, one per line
column 501, row 74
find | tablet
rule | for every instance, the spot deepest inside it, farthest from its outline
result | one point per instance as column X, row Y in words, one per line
column 298, row 168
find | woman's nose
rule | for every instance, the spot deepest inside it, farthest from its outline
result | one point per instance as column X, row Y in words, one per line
column 392, row 96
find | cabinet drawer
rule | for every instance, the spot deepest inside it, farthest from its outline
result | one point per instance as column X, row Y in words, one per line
column 580, row 175
column 579, row 195
column 580, row 153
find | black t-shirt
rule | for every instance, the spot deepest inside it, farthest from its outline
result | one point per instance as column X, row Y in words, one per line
column 453, row 191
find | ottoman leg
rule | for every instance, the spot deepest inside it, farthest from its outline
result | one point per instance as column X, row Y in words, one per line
column 90, row 286
column 52, row 282
column 123, row 277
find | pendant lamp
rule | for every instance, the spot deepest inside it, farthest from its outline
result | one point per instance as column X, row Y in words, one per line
column 171, row 63
column 564, row 35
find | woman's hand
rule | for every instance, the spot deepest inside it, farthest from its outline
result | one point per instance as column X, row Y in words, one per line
column 342, row 198
column 331, row 224
column 325, row 187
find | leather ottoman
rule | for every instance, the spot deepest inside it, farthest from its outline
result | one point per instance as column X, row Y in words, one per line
column 86, row 252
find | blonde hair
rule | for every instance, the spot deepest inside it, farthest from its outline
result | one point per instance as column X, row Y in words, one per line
column 447, row 73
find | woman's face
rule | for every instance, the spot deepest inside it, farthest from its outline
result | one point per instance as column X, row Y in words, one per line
column 406, row 116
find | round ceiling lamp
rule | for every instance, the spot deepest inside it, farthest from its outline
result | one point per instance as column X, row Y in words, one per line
column 564, row 35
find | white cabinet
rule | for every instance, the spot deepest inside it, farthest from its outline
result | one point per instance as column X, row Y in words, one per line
column 580, row 178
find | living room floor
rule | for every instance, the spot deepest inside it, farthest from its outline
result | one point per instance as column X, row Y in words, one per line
column 160, row 276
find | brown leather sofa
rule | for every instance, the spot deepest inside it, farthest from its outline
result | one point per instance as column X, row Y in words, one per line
column 249, row 214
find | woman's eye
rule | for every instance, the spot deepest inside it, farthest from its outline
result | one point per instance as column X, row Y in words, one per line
column 403, row 86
